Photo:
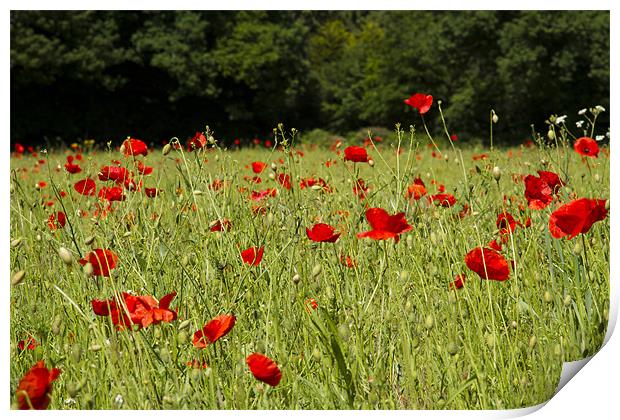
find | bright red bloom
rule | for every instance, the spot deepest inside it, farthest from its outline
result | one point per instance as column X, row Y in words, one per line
column 259, row 195
column 19, row 149
column 258, row 167
column 506, row 223
column 586, row 146
column 385, row 226
column 284, row 180
column 215, row 329
column 420, row 101
column 221, row 225
column 445, row 200
column 552, row 179
column 322, row 232
column 35, row 387
column 576, row 217
column 459, row 281
column 113, row 173
column 134, row 147
column 253, row 255
column 416, row 190
column 197, row 142
column 143, row 169
column 356, row 154
column 539, row 190
column 57, row 220
column 488, row 264
column 137, row 310
column 71, row 167
column 111, row 194
column 103, row 260
column 29, row 344
column 264, row 369
column 86, row 187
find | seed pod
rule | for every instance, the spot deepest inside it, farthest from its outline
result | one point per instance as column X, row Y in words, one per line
column 607, row 205
column 16, row 242
column 38, row 237
column 453, row 348
column 18, row 277
column 89, row 240
column 495, row 118
column 567, row 300
column 316, row 354
column 166, row 149
column 182, row 337
column 184, row 324
column 550, row 134
column 296, row 278
column 547, row 296
column 497, row 173
column 533, row 341
column 76, row 353
column 429, row 322
column 316, row 270
column 65, row 255
column 88, row 269
column 371, row 163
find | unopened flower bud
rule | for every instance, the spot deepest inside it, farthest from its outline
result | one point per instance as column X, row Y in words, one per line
column 16, row 242
column 18, row 277
column 65, row 255
column 88, row 269
column 371, row 163
column 495, row 118
column 497, row 173
column 274, row 166
column 166, row 149
column 296, row 278
column 429, row 321
column 316, row 270
column 550, row 134
column 89, row 240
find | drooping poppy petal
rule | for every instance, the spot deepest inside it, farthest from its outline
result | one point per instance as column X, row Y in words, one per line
column 459, row 282
column 215, row 329
column 264, row 369
column 57, row 220
column 488, row 264
column 253, row 255
column 322, row 232
column 576, row 217
column 102, row 260
column 86, row 187
column 35, row 387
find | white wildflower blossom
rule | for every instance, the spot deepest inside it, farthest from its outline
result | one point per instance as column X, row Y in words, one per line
column 70, row 401
column 599, row 108
column 118, row 400
column 582, row 111
column 579, row 123
column 560, row 120
column 599, row 138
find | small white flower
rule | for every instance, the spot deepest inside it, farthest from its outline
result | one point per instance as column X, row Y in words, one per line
column 607, row 134
column 560, row 120
column 118, row 400
column 582, row 111
column 70, row 401
column 579, row 123
column 599, row 138
column 599, row 108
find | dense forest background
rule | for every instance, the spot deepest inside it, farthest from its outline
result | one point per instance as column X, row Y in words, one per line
column 154, row 75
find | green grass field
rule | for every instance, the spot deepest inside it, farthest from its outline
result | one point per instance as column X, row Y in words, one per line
column 388, row 332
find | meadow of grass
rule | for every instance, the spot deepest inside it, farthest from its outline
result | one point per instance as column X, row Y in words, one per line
column 387, row 333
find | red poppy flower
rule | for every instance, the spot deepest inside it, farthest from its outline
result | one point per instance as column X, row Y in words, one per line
column 134, row 147
column 215, row 329
column 586, row 146
column 576, row 217
column 86, row 187
column 113, row 173
column 311, row 182
column 537, row 192
column 258, row 167
column 284, row 180
column 360, row 188
column 29, row 344
column 136, row 310
column 506, row 223
column 322, row 232
column 111, row 194
column 259, row 195
column 103, row 260
column 552, row 179
column 347, row 261
column 459, row 281
column 253, row 255
column 420, row 101
column 356, row 154
column 143, row 169
column 19, row 149
column 35, row 387
column 385, row 226
column 445, row 200
column 488, row 264
column 221, row 225
column 495, row 245
column 71, row 167
column 57, row 220
column 197, row 142
column 151, row 192
column 416, row 190
column 264, row 369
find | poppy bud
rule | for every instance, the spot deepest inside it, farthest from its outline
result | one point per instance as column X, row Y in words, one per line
column 489, row 339
column 316, row 354
column 497, row 173
column 344, row 332
column 76, row 353
column 316, row 270
column 88, row 269
column 184, row 324
column 433, row 238
column 453, row 348
column 513, row 324
column 429, row 322
column 56, row 324
column 122, row 148
column 371, row 163
column 65, row 255
column 272, row 176
column 533, row 341
column 409, row 241
column 274, row 167
column 597, row 178
column 607, row 205
column 16, row 242
column 182, row 337
column 547, row 296
column 89, row 240
column 38, row 237
column 166, row 149
column 578, row 248
column 495, row 118
column 95, row 347
column 296, row 278
column 445, row 157
column 605, row 314
column 567, row 300
column 550, row 134
column 403, row 276
column 18, row 277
